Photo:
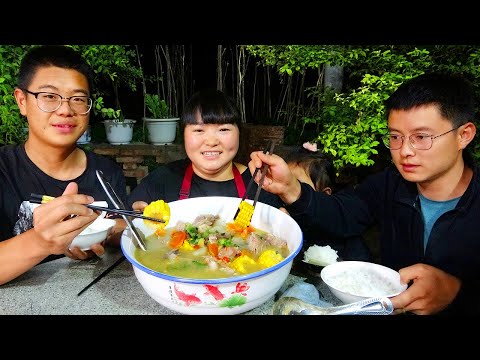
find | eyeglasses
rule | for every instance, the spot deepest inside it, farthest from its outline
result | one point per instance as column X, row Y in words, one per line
column 418, row 141
column 50, row 102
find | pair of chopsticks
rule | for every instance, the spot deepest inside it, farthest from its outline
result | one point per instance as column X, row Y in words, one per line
column 250, row 183
column 264, row 172
column 245, row 210
column 42, row 199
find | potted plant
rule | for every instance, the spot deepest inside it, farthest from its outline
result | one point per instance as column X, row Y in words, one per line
column 118, row 129
column 161, row 126
column 86, row 136
column 115, row 68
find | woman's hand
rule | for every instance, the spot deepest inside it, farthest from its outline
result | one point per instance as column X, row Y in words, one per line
column 432, row 290
column 139, row 205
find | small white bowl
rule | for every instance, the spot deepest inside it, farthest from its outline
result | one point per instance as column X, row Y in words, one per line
column 352, row 281
column 95, row 233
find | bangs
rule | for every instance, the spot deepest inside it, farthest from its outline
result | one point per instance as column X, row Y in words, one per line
column 209, row 116
column 210, row 107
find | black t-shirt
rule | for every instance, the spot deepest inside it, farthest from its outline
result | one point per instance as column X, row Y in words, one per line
column 19, row 177
column 164, row 183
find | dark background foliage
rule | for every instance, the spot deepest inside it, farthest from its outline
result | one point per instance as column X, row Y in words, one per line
column 284, row 85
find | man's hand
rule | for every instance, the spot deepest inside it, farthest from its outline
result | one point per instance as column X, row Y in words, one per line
column 113, row 239
column 279, row 179
column 431, row 292
column 58, row 221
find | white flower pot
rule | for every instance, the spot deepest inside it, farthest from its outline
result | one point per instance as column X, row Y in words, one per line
column 161, row 131
column 119, row 132
column 86, row 136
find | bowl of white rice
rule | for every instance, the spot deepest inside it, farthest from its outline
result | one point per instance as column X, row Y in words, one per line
column 352, row 281
column 320, row 255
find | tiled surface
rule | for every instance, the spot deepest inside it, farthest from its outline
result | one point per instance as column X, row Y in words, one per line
column 51, row 289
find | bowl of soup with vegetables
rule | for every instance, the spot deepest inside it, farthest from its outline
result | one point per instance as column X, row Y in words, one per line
column 202, row 263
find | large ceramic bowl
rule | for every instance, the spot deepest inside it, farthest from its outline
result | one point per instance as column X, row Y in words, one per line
column 224, row 296
column 352, row 281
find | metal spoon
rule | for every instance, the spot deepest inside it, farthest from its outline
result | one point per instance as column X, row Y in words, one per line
column 119, row 205
column 373, row 306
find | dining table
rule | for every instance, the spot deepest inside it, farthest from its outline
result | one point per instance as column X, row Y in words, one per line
column 52, row 288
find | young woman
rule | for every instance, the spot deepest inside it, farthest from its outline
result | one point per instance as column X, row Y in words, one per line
column 211, row 131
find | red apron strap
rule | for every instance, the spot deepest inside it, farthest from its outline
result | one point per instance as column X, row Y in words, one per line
column 187, row 182
column 238, row 181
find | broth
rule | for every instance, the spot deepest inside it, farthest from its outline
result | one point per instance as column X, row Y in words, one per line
column 209, row 248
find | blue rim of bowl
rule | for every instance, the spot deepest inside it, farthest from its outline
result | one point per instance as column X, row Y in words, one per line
column 246, row 277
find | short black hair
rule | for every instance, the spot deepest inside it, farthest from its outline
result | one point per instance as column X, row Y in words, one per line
column 62, row 56
column 214, row 107
column 451, row 93
column 317, row 165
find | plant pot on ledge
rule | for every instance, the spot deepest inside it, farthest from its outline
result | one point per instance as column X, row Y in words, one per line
column 161, row 131
column 119, row 132
column 86, row 136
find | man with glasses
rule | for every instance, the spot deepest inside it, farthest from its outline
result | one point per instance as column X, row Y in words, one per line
column 53, row 93
column 426, row 206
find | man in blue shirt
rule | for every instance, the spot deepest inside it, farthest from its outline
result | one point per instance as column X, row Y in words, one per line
column 426, row 206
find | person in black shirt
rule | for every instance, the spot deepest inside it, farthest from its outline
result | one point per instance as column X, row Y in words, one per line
column 53, row 93
column 426, row 204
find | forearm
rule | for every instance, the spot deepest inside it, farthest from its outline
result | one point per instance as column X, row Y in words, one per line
column 291, row 193
column 19, row 254
column 340, row 216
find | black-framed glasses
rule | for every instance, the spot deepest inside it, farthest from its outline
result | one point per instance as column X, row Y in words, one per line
column 418, row 141
column 50, row 102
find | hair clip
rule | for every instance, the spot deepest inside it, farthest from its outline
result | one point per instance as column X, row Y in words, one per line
column 310, row 146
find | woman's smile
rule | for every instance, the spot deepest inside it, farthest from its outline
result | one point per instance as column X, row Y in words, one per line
column 211, row 154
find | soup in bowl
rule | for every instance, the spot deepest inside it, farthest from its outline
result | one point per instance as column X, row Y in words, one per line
column 241, row 287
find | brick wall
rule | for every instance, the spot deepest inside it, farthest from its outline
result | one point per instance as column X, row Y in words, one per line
column 133, row 157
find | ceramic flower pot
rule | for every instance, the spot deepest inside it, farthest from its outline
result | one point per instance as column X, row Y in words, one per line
column 161, row 131
column 86, row 136
column 119, row 132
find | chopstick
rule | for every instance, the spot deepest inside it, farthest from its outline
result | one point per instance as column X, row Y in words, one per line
column 105, row 272
column 262, row 178
column 252, row 180
column 42, row 199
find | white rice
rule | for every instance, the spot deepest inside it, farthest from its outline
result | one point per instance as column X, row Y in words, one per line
column 320, row 255
column 362, row 283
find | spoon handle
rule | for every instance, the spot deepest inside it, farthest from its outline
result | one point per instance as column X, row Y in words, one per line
column 372, row 306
